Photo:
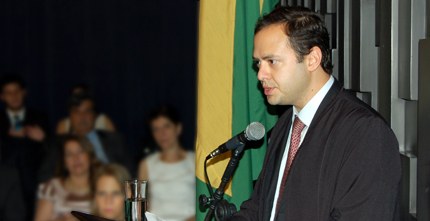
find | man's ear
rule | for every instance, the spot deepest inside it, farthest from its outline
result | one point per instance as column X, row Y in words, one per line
column 313, row 59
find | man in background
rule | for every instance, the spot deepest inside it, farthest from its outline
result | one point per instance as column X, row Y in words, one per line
column 23, row 133
column 108, row 146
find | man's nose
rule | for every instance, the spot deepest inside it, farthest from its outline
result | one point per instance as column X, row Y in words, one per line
column 262, row 72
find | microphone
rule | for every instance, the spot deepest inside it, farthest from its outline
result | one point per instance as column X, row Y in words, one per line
column 254, row 131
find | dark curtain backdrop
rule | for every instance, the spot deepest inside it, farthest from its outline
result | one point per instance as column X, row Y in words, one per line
column 134, row 54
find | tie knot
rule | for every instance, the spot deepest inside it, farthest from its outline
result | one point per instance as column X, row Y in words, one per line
column 298, row 125
column 18, row 122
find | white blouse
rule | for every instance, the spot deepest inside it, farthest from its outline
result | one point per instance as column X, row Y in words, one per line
column 172, row 187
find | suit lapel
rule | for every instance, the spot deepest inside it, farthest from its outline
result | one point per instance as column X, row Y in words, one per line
column 105, row 144
column 276, row 148
column 4, row 123
column 330, row 96
column 328, row 99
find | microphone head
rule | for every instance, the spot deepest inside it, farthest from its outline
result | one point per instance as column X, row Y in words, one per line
column 255, row 131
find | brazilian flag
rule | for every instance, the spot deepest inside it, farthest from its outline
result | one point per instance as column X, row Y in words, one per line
column 228, row 97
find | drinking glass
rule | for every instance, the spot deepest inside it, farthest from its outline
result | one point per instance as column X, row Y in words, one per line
column 136, row 193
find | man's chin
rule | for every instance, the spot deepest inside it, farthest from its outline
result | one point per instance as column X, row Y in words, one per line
column 271, row 100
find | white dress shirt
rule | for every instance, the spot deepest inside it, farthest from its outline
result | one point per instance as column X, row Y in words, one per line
column 13, row 114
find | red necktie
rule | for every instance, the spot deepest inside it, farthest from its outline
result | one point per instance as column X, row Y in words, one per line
column 298, row 126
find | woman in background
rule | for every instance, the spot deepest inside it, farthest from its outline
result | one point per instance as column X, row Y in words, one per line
column 108, row 191
column 70, row 189
column 170, row 171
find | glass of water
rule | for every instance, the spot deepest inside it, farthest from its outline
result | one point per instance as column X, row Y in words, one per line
column 136, row 193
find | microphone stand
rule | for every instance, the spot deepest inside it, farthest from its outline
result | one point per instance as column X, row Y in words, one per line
column 228, row 173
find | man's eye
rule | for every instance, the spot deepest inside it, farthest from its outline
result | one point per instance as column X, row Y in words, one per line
column 273, row 61
column 257, row 64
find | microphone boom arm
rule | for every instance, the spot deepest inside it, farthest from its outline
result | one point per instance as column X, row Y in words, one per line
column 228, row 173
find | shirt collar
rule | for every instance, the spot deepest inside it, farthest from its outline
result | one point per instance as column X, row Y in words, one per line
column 12, row 114
column 308, row 112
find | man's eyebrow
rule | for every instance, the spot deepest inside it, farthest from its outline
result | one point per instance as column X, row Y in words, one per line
column 270, row 56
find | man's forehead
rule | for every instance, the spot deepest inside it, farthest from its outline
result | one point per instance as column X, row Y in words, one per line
column 269, row 41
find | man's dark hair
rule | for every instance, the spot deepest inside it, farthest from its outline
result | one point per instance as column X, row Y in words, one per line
column 10, row 78
column 75, row 100
column 304, row 28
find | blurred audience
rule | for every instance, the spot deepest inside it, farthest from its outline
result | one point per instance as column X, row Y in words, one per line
column 170, row 171
column 71, row 188
column 12, row 207
column 108, row 191
column 102, row 121
column 23, row 131
column 108, row 146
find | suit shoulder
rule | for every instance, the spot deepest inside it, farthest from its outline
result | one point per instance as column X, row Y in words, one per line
column 34, row 111
column 358, row 119
column 35, row 114
column 352, row 107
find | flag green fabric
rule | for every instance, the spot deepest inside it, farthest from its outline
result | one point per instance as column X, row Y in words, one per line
column 247, row 100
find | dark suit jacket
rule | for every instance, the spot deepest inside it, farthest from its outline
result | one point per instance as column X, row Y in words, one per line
column 24, row 154
column 115, row 149
column 347, row 167
column 11, row 199
column 32, row 117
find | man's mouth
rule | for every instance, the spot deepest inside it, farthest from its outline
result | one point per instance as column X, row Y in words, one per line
column 268, row 90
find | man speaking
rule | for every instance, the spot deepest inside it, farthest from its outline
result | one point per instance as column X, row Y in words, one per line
column 330, row 156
